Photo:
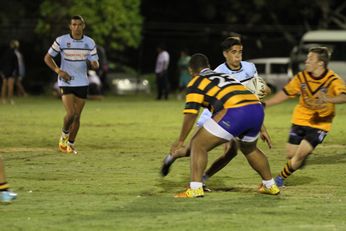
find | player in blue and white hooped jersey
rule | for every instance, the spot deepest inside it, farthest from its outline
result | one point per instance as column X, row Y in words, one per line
column 78, row 52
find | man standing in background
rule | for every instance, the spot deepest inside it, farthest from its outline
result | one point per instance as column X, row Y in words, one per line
column 161, row 71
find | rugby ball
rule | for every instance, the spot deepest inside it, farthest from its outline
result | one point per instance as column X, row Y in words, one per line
column 257, row 86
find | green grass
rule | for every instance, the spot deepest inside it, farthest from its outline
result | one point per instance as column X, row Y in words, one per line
column 114, row 183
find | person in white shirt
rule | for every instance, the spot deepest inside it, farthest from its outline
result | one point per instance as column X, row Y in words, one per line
column 161, row 71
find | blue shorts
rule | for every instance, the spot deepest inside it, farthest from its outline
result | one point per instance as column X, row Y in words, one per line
column 242, row 122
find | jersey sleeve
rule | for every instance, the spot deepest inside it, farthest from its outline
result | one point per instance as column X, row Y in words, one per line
column 292, row 88
column 93, row 53
column 194, row 98
column 338, row 86
column 55, row 49
column 254, row 70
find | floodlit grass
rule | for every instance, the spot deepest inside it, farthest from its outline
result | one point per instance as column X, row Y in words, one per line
column 114, row 183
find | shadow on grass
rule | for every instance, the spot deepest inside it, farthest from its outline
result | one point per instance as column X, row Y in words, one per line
column 327, row 159
column 296, row 180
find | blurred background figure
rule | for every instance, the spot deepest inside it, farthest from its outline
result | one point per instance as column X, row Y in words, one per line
column 95, row 86
column 10, row 70
column 161, row 71
column 184, row 76
column 104, row 68
column 21, row 70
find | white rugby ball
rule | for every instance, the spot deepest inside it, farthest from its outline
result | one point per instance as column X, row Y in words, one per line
column 257, row 86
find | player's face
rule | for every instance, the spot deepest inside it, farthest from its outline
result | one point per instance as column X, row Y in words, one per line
column 312, row 62
column 233, row 56
column 77, row 28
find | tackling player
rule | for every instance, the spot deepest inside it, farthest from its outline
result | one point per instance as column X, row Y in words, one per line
column 77, row 51
column 242, row 71
column 237, row 112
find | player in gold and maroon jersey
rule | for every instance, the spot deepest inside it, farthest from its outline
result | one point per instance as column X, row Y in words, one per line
column 237, row 113
column 320, row 89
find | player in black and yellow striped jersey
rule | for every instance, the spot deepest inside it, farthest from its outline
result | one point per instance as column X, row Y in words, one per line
column 237, row 113
column 319, row 89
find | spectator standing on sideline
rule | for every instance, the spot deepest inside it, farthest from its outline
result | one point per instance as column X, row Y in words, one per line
column 77, row 52
column 6, row 196
column 319, row 89
column 9, row 72
column 184, row 76
column 161, row 71
column 21, row 70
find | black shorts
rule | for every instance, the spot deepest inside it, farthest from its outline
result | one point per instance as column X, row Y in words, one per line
column 80, row 92
column 313, row 135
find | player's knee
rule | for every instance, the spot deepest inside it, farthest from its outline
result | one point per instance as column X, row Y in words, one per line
column 247, row 147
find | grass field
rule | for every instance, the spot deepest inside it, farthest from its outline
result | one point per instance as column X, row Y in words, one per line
column 114, row 182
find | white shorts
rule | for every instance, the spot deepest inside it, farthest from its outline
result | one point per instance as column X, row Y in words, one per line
column 205, row 115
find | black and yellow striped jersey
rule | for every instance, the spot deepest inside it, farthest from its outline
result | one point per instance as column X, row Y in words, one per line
column 216, row 91
column 311, row 111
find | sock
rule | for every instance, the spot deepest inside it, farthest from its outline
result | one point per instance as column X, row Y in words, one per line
column 205, row 177
column 268, row 183
column 64, row 133
column 287, row 170
column 168, row 159
column 195, row 185
column 71, row 143
column 4, row 186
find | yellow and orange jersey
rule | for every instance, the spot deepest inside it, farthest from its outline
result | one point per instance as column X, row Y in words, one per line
column 216, row 91
column 311, row 111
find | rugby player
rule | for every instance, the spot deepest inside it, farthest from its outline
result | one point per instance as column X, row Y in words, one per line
column 77, row 52
column 242, row 71
column 225, row 97
column 319, row 89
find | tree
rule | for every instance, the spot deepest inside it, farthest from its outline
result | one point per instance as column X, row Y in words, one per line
column 113, row 24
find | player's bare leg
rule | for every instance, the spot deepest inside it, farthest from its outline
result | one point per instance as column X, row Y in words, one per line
column 78, row 105
column 230, row 152
column 68, row 102
column 259, row 162
column 6, row 196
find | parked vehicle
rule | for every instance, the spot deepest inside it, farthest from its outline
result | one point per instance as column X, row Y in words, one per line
column 124, row 84
column 335, row 40
column 275, row 71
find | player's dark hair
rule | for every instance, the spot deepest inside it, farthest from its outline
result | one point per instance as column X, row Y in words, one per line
column 77, row 17
column 234, row 35
column 323, row 54
column 229, row 42
column 198, row 61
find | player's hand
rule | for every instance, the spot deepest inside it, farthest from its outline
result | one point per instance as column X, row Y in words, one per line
column 65, row 76
column 177, row 147
column 264, row 135
column 322, row 97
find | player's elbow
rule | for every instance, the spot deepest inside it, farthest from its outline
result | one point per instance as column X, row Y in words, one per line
column 47, row 58
column 95, row 65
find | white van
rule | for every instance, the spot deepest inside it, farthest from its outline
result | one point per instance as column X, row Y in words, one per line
column 275, row 71
column 335, row 40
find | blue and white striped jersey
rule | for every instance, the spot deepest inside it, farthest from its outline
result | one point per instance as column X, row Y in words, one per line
column 246, row 72
column 74, row 54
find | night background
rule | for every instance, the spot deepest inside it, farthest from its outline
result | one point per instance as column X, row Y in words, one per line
column 130, row 30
